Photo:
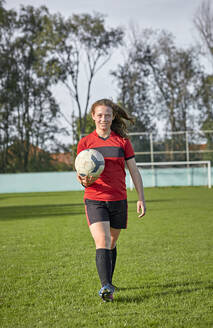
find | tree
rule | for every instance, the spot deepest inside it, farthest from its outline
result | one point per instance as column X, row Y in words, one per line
column 205, row 101
column 158, row 75
column 133, row 92
column 159, row 81
column 30, row 110
column 132, row 77
column 82, row 42
column 176, row 74
column 203, row 21
column 205, row 105
column 7, row 82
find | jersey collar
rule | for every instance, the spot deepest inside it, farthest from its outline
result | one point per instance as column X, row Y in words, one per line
column 102, row 137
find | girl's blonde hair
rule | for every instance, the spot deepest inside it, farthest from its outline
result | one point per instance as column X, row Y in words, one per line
column 119, row 123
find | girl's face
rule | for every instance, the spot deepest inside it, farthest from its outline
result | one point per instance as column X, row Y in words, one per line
column 103, row 117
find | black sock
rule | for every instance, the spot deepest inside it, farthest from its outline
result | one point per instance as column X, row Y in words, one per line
column 103, row 264
column 113, row 260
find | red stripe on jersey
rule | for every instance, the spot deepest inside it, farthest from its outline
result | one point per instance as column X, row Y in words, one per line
column 87, row 215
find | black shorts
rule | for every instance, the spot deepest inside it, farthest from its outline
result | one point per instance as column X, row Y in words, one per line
column 113, row 211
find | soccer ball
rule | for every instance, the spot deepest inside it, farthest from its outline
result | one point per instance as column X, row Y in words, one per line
column 89, row 162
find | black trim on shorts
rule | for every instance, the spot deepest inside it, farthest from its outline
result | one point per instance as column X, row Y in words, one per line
column 113, row 211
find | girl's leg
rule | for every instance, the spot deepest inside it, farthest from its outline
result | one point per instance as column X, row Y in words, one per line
column 101, row 234
column 114, row 237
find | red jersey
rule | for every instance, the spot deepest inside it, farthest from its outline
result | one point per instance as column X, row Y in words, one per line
column 110, row 186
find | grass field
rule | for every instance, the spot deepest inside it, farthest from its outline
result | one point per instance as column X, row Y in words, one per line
column 164, row 266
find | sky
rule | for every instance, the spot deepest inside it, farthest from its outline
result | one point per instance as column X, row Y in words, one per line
column 175, row 16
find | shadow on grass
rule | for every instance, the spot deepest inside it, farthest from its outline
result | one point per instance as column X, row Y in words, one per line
column 36, row 194
column 40, row 211
column 180, row 289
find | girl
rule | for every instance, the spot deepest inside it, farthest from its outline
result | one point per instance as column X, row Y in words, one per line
column 106, row 197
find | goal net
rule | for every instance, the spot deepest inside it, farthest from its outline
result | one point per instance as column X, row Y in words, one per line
column 183, row 173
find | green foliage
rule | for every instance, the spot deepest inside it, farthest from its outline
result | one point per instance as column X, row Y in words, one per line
column 134, row 91
column 159, row 80
column 164, row 266
column 177, row 73
column 205, row 102
column 203, row 21
column 30, row 111
column 82, row 42
column 89, row 126
column 37, row 51
column 38, row 160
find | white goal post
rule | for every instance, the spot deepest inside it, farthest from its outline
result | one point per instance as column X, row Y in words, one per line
column 152, row 165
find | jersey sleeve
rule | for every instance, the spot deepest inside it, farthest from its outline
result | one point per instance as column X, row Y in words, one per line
column 81, row 146
column 129, row 151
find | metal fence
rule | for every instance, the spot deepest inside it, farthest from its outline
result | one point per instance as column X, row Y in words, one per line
column 173, row 146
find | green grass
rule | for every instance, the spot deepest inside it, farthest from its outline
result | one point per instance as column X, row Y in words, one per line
column 164, row 266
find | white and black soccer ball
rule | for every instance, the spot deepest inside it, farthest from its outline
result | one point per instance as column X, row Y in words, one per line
column 89, row 162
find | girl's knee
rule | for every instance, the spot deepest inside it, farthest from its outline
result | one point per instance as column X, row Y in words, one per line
column 103, row 241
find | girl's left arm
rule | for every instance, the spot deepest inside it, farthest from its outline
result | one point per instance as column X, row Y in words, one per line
column 138, row 183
